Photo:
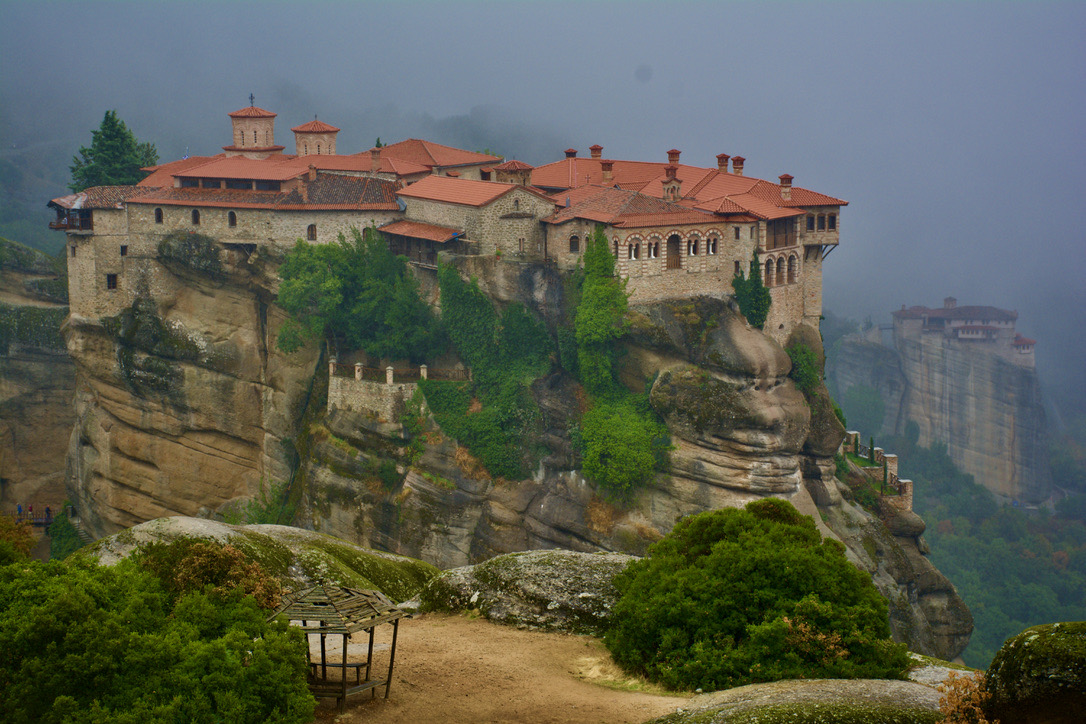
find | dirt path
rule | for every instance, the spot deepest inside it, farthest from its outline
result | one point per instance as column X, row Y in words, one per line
column 456, row 669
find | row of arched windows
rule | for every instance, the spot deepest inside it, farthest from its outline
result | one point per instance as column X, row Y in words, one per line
column 695, row 246
column 781, row 271
column 231, row 221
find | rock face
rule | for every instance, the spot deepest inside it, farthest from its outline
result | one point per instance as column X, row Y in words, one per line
column 37, row 381
column 1039, row 676
column 182, row 401
column 986, row 409
column 184, row 405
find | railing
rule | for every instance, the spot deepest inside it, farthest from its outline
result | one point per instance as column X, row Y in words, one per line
column 390, row 375
column 72, row 223
column 891, row 481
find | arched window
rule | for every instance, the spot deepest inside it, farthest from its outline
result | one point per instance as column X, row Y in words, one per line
column 737, row 232
column 780, row 271
column 769, row 272
column 674, row 252
column 793, row 269
column 710, row 245
column 311, row 232
column 574, row 244
column 232, row 219
column 158, row 216
column 195, row 217
column 652, row 250
column 516, row 204
column 738, row 269
column 821, row 222
column 692, row 247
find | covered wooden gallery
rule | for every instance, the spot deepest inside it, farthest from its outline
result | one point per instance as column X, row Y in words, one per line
column 327, row 610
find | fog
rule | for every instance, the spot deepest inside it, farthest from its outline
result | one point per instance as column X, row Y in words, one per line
column 954, row 130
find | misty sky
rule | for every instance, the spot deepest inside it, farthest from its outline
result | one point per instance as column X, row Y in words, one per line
column 955, row 130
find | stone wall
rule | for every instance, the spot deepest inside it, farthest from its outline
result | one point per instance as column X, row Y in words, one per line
column 384, row 400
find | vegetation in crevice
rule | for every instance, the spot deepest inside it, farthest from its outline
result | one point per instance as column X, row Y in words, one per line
column 31, row 326
column 494, row 414
column 149, row 350
column 752, row 295
column 623, row 442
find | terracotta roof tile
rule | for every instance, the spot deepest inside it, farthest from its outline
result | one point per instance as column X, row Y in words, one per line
column 252, row 112
column 513, row 165
column 100, row 197
column 622, row 208
column 981, row 313
column 315, row 126
column 461, row 191
column 430, row 154
column 326, row 192
column 162, row 174
column 418, row 230
column 240, row 167
column 1020, row 341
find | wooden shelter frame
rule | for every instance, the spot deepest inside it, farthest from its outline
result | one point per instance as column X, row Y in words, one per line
column 328, row 610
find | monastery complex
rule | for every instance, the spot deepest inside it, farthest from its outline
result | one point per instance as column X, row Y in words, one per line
column 676, row 230
column 982, row 328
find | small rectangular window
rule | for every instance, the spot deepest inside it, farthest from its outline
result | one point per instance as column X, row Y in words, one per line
column 73, row 252
column 831, row 222
column 821, row 222
column 111, row 281
column 124, row 250
column 190, row 183
column 737, row 233
column 810, row 223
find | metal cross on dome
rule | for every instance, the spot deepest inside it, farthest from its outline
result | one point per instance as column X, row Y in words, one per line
column 251, row 99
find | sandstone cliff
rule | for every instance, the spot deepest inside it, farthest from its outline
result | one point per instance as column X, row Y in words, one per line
column 184, row 405
column 987, row 410
column 36, row 380
column 182, row 402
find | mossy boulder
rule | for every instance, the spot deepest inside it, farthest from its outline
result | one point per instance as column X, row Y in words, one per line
column 1039, row 676
column 825, row 701
column 551, row 590
column 298, row 557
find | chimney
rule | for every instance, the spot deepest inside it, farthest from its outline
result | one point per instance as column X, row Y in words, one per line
column 375, row 159
column 607, row 167
column 671, row 184
column 950, row 303
column 571, row 153
column 722, row 162
column 596, row 150
column 786, row 187
column 737, row 165
column 312, row 172
column 673, row 156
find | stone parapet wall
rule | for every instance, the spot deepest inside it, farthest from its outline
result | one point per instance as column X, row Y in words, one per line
column 903, row 499
column 386, row 401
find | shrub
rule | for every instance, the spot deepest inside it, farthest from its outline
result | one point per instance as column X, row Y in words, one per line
column 752, row 294
column 97, row 644
column 63, row 538
column 188, row 565
column 16, row 539
column 738, row 596
column 805, row 368
column 621, row 447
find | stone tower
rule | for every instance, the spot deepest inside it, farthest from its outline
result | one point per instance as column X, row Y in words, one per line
column 315, row 138
column 514, row 172
column 254, row 133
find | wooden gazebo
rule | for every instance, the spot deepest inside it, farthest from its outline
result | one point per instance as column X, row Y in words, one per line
column 328, row 610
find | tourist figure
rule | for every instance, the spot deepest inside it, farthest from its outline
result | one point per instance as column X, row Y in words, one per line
column 19, row 508
column 48, row 514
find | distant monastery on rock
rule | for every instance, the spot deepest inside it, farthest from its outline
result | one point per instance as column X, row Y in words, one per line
column 676, row 230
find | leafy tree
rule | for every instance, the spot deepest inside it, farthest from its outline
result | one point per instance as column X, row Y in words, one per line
column 114, row 158
column 622, row 447
column 752, row 294
column 96, row 644
column 359, row 294
column 63, row 538
column 16, row 539
column 737, row 596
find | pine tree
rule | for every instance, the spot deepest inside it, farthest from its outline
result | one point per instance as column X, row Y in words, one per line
column 114, row 158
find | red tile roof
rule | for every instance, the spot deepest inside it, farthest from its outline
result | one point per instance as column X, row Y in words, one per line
column 709, row 189
column 162, row 174
column 325, row 193
column 514, row 165
column 315, row 126
column 252, row 112
column 623, row 209
column 418, row 230
column 465, row 192
column 430, row 154
column 99, row 197
column 980, row 313
column 1020, row 341
column 240, row 167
